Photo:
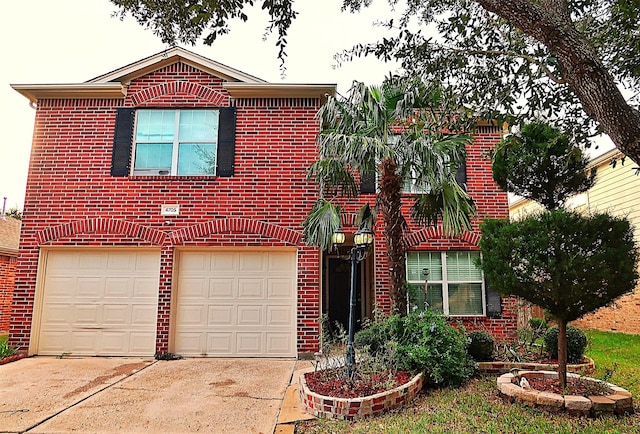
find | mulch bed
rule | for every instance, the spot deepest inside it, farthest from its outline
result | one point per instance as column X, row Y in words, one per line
column 574, row 387
column 333, row 382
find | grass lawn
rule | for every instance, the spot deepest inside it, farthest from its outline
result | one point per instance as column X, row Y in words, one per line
column 477, row 408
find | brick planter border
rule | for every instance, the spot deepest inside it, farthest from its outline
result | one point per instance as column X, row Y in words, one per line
column 618, row 401
column 357, row 408
column 504, row 367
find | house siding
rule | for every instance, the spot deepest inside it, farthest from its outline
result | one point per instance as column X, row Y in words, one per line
column 72, row 199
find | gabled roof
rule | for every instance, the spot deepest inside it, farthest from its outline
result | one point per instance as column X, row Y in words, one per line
column 9, row 235
column 114, row 84
column 169, row 57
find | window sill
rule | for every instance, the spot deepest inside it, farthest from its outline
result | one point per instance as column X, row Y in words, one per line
column 173, row 177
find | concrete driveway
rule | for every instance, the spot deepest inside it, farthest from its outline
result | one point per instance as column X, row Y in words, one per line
column 47, row 395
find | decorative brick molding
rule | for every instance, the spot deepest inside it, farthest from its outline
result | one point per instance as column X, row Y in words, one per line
column 357, row 408
column 504, row 367
column 618, row 401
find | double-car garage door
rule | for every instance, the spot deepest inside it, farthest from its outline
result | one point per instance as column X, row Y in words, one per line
column 231, row 303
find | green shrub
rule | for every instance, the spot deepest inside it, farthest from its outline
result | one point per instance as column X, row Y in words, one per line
column 420, row 342
column 576, row 343
column 481, row 345
column 538, row 323
column 5, row 349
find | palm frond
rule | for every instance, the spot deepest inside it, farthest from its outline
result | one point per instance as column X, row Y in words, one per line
column 320, row 224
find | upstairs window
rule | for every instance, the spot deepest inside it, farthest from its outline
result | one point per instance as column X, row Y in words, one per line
column 176, row 142
column 454, row 283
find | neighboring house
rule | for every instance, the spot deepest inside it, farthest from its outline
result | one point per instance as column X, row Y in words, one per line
column 9, row 242
column 617, row 192
column 163, row 213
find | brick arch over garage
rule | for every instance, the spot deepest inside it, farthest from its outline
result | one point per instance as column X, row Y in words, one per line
column 424, row 235
column 214, row 96
column 102, row 225
column 240, row 225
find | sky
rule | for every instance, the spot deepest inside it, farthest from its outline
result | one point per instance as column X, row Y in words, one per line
column 72, row 41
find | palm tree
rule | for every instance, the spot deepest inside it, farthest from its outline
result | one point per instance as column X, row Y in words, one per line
column 398, row 133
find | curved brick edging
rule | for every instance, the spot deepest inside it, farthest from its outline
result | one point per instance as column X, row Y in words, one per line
column 618, row 401
column 12, row 358
column 356, row 408
column 504, row 367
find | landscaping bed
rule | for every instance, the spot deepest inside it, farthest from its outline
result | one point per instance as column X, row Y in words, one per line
column 586, row 396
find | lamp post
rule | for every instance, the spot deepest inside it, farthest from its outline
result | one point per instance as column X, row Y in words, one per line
column 363, row 238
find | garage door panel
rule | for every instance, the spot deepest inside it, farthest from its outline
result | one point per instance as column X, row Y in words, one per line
column 251, row 303
column 249, row 316
column 85, row 314
column 88, row 287
column 249, row 343
column 279, row 344
column 195, row 288
column 99, row 302
column 145, row 287
column 222, row 289
column 142, row 314
column 250, row 288
column 279, row 316
column 191, row 315
column 221, row 315
column 281, row 288
column 252, row 262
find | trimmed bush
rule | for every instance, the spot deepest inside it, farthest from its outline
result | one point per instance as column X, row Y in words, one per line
column 420, row 342
column 481, row 345
column 576, row 343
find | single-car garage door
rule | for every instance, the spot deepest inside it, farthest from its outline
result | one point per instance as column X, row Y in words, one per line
column 239, row 303
column 99, row 302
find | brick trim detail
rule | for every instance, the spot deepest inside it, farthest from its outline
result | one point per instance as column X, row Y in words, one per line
column 102, row 225
column 180, row 87
column 236, row 225
column 430, row 233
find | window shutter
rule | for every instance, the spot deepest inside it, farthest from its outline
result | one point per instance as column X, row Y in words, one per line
column 121, row 152
column 494, row 302
column 367, row 183
column 461, row 174
column 226, row 141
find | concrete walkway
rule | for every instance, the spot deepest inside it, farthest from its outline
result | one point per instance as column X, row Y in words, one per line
column 108, row 395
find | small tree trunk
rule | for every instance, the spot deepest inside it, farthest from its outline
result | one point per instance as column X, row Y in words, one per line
column 394, row 223
column 562, row 352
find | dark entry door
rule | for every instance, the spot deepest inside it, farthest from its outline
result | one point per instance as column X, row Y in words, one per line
column 339, row 280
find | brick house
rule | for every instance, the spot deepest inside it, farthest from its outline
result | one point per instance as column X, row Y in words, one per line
column 9, row 243
column 163, row 212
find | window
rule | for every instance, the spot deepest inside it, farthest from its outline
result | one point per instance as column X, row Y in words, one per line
column 454, row 284
column 176, row 142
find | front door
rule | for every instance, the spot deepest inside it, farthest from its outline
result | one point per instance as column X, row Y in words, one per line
column 337, row 291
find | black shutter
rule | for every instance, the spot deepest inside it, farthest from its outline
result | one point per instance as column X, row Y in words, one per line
column 121, row 153
column 494, row 302
column 461, row 174
column 226, row 141
column 367, row 183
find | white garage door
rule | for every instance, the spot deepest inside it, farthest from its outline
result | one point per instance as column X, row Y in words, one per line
column 236, row 304
column 100, row 302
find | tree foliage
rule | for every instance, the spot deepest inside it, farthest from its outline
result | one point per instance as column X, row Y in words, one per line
column 540, row 163
column 564, row 60
column 395, row 133
column 560, row 260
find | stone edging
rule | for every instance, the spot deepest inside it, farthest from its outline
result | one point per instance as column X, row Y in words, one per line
column 619, row 401
column 12, row 358
column 495, row 367
column 357, row 408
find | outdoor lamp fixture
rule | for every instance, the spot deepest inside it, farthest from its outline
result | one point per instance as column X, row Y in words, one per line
column 363, row 238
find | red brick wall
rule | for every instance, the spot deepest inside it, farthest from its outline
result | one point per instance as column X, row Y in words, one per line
column 72, row 199
column 7, row 277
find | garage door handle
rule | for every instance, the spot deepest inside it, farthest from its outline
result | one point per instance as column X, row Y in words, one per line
column 91, row 328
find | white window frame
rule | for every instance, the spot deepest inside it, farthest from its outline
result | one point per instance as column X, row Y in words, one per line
column 445, row 284
column 173, row 171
